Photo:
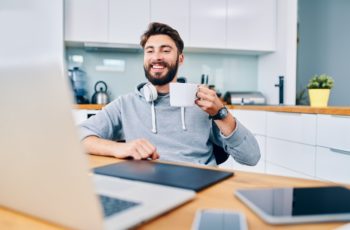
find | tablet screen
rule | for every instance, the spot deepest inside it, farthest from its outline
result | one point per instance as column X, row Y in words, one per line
column 287, row 205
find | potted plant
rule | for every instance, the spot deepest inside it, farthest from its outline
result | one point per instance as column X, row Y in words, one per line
column 319, row 89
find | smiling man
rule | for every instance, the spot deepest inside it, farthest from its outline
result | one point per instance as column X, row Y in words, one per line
column 153, row 129
column 161, row 59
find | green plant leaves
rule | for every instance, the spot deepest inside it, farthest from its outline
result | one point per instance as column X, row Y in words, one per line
column 322, row 81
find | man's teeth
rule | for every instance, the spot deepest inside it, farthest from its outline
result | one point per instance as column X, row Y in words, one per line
column 158, row 67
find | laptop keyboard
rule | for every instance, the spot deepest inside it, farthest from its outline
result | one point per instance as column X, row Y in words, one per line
column 113, row 205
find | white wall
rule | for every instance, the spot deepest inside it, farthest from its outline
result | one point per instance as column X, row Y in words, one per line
column 283, row 61
column 31, row 26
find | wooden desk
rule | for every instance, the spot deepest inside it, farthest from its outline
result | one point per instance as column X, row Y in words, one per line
column 216, row 196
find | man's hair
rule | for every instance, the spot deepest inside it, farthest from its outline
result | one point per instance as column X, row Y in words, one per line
column 156, row 28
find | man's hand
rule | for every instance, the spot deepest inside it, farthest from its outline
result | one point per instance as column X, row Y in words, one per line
column 208, row 100
column 211, row 103
column 137, row 149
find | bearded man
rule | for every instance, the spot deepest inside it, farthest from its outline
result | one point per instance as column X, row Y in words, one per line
column 152, row 129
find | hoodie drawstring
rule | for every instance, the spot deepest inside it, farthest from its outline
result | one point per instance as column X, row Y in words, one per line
column 183, row 118
column 154, row 127
column 153, row 112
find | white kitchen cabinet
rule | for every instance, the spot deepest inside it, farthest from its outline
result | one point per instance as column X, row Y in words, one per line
column 333, row 148
column 80, row 115
column 128, row 20
column 222, row 24
column 291, row 144
column 296, row 157
column 251, row 24
column 297, row 127
column 333, row 165
column 86, row 20
column 282, row 171
column 289, row 141
column 300, row 145
column 253, row 120
column 208, row 23
column 333, row 132
column 174, row 13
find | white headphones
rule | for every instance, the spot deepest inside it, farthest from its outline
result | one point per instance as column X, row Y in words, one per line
column 150, row 92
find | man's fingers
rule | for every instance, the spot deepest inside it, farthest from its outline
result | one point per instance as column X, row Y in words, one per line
column 136, row 156
column 207, row 96
column 144, row 148
column 154, row 156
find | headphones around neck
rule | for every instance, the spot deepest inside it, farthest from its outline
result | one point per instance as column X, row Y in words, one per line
column 150, row 92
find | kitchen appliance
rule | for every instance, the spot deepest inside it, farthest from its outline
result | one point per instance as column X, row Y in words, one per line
column 100, row 96
column 244, row 98
column 78, row 80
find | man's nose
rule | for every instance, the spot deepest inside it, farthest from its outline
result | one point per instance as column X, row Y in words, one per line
column 157, row 56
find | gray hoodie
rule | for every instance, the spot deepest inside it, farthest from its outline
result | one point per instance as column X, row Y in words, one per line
column 179, row 134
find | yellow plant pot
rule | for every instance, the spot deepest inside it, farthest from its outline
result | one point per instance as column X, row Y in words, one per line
column 319, row 97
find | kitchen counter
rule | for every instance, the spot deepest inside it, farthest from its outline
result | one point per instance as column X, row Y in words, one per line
column 275, row 108
column 295, row 109
column 88, row 106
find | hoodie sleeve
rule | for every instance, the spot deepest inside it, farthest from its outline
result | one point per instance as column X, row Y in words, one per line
column 240, row 144
column 105, row 124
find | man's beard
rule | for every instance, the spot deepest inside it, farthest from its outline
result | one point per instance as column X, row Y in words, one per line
column 172, row 70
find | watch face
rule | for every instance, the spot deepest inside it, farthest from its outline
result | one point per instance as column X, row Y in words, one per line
column 223, row 113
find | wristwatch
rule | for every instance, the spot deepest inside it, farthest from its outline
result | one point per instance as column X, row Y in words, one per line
column 221, row 114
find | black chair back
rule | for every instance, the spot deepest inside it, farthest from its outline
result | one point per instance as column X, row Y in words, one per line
column 220, row 155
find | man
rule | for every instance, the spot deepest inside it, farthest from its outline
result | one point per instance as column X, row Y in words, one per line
column 153, row 129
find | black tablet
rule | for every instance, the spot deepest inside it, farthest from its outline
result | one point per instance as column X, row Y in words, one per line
column 166, row 174
column 298, row 205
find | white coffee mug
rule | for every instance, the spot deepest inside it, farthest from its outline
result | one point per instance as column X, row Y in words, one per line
column 183, row 94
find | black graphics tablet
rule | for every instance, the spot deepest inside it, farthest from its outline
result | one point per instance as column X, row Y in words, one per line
column 298, row 205
column 166, row 174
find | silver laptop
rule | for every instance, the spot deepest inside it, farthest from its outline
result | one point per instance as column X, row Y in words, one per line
column 43, row 170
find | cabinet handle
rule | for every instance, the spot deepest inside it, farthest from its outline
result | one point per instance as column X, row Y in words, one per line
column 288, row 113
column 341, row 116
column 340, row 151
column 90, row 115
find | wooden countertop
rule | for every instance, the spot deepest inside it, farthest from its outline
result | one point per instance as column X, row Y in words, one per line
column 88, row 106
column 219, row 195
column 296, row 109
column 275, row 108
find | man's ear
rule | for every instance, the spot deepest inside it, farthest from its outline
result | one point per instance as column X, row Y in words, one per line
column 181, row 58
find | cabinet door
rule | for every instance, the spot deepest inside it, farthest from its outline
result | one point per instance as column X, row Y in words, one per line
column 282, row 171
column 174, row 13
column 86, row 20
column 333, row 132
column 208, row 23
column 251, row 25
column 296, row 157
column 128, row 20
column 333, row 165
column 255, row 121
column 81, row 115
column 295, row 127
